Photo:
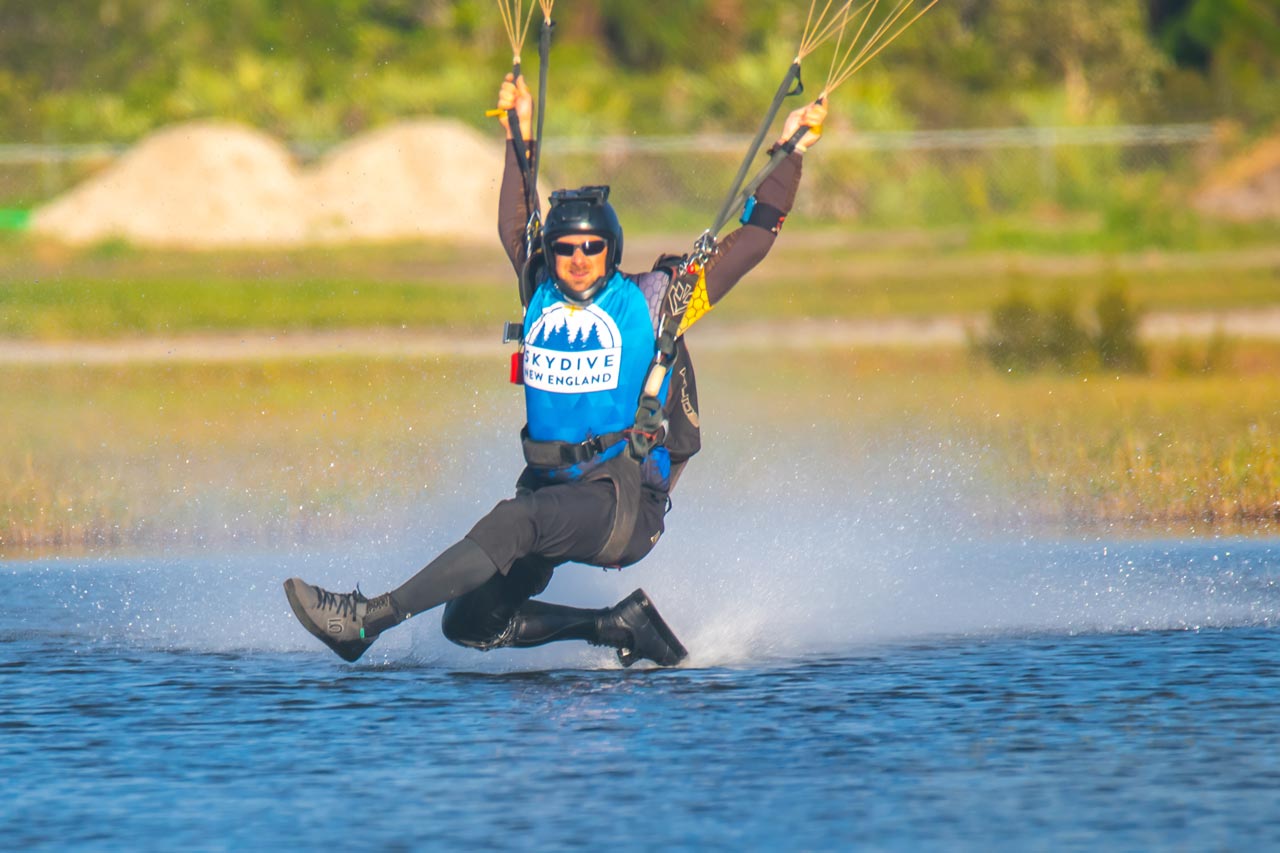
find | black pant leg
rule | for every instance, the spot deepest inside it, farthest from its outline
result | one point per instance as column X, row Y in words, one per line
column 524, row 539
column 567, row 522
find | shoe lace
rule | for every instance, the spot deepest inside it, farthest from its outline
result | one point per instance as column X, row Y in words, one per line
column 344, row 603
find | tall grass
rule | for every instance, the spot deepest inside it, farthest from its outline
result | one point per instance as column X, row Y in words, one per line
column 1138, row 453
column 160, row 455
column 179, row 454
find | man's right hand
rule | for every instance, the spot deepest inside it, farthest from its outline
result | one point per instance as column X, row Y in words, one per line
column 514, row 94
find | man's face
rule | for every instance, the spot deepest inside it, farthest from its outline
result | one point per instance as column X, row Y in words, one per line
column 578, row 270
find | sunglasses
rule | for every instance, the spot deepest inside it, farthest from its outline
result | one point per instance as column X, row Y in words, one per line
column 589, row 248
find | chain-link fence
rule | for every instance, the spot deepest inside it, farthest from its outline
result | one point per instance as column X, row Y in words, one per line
column 914, row 179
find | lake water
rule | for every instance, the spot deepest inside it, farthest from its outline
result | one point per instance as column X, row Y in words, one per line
column 914, row 691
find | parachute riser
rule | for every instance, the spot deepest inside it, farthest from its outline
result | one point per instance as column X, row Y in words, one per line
column 533, row 228
column 785, row 90
column 528, row 158
column 544, row 64
column 775, row 159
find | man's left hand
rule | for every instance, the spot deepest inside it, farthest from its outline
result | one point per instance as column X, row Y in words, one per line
column 812, row 116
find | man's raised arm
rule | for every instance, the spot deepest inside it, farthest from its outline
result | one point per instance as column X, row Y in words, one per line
column 744, row 248
column 513, row 205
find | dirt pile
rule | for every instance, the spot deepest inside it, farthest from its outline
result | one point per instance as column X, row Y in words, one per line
column 211, row 185
column 421, row 179
column 202, row 184
column 1247, row 188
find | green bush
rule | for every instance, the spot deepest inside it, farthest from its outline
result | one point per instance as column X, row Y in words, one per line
column 1023, row 337
column 1117, row 339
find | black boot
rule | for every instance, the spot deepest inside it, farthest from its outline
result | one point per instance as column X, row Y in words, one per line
column 632, row 626
column 635, row 629
column 536, row 623
column 346, row 622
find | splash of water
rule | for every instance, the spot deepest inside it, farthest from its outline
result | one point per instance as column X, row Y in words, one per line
column 832, row 558
column 763, row 559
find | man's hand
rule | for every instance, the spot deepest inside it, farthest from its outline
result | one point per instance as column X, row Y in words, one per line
column 514, row 94
column 812, row 117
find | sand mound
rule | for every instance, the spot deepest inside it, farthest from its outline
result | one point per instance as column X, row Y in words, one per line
column 206, row 185
column 196, row 185
column 427, row 178
column 1246, row 189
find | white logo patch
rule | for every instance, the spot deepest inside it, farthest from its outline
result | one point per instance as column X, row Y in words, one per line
column 570, row 349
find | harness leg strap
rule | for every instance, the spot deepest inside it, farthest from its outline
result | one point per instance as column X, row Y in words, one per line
column 624, row 473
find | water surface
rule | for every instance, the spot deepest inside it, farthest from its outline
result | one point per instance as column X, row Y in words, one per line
column 1007, row 694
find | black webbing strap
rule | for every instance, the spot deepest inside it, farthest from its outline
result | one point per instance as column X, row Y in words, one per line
column 517, row 133
column 763, row 215
column 624, row 473
column 649, row 429
column 562, row 454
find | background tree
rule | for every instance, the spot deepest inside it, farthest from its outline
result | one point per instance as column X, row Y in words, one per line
column 114, row 69
column 1090, row 49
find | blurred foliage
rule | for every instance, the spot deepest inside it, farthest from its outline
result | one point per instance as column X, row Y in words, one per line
column 1023, row 337
column 114, row 69
column 1117, row 338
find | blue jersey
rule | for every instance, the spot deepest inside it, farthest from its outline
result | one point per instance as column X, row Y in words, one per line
column 585, row 366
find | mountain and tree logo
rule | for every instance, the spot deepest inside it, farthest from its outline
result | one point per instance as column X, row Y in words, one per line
column 572, row 348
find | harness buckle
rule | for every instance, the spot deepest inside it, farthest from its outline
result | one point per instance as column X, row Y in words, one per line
column 592, row 446
column 703, row 249
column 512, row 332
column 576, row 454
column 649, row 429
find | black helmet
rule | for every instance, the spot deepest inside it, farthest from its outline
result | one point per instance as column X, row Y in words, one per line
column 583, row 211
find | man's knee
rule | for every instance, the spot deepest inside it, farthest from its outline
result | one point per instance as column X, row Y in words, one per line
column 466, row 625
column 484, row 618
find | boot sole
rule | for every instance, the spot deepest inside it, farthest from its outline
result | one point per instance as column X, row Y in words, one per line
column 660, row 627
column 350, row 652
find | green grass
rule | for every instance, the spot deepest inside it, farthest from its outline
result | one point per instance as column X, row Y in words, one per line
column 79, row 309
column 849, row 287
column 51, row 293
column 158, row 454
column 165, row 455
